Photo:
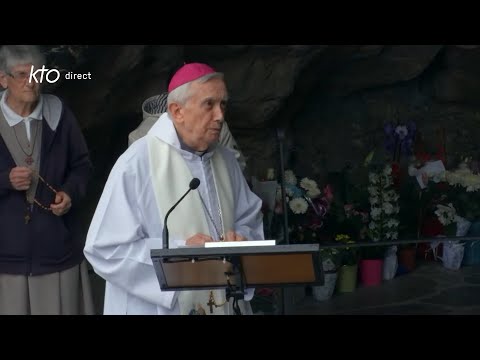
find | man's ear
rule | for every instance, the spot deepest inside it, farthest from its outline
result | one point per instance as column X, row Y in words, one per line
column 3, row 79
column 176, row 111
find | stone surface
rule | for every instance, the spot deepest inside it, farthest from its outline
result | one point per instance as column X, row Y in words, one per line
column 430, row 290
column 460, row 296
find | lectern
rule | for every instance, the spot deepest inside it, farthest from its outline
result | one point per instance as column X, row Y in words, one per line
column 238, row 268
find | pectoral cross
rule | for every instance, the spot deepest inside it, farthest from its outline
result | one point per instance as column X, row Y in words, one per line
column 29, row 160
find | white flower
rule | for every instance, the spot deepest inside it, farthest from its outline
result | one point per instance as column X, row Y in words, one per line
column 374, row 200
column 453, row 178
column 384, row 205
column 390, row 195
column 392, row 223
column 313, row 193
column 446, row 214
column 387, row 181
column 392, row 235
column 298, row 206
column 471, row 182
column 290, row 177
column 387, row 195
column 388, row 208
column 308, row 184
column 375, row 212
column 311, row 187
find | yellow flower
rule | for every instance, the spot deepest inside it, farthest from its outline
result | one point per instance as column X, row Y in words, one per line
column 342, row 237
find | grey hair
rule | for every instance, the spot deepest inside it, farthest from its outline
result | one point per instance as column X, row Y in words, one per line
column 12, row 55
column 182, row 93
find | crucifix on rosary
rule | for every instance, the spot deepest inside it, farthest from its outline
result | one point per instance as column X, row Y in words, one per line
column 29, row 160
column 211, row 302
column 27, row 217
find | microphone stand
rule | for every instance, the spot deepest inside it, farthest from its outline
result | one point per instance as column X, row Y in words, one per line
column 237, row 291
column 165, row 228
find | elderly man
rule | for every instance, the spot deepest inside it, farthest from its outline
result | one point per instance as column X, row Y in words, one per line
column 156, row 105
column 44, row 170
column 149, row 178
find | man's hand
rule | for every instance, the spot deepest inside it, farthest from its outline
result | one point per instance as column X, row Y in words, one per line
column 233, row 236
column 62, row 204
column 20, row 178
column 198, row 240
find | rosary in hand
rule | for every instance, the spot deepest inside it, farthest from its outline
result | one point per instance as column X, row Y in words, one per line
column 27, row 215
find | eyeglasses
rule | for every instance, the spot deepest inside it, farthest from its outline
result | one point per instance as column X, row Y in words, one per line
column 20, row 76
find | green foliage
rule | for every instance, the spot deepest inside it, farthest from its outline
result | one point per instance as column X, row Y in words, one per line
column 333, row 254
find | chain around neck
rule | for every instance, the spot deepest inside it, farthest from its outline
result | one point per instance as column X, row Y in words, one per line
column 220, row 235
column 34, row 140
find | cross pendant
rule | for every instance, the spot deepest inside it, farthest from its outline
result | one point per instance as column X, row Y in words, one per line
column 29, row 160
column 211, row 302
column 27, row 219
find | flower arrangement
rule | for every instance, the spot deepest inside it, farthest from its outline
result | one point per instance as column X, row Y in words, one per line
column 399, row 139
column 384, row 205
column 463, row 177
column 447, row 215
column 330, row 258
column 307, row 206
column 449, row 194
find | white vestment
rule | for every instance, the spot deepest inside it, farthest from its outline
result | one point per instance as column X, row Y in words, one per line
column 128, row 221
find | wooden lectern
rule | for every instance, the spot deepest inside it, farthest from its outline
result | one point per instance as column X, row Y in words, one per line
column 238, row 268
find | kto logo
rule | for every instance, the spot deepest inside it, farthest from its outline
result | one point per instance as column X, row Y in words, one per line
column 33, row 75
column 53, row 78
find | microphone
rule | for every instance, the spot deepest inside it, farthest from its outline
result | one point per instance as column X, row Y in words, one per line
column 195, row 183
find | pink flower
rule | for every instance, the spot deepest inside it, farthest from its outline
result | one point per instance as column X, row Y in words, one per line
column 328, row 193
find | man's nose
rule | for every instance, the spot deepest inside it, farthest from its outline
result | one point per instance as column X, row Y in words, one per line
column 219, row 113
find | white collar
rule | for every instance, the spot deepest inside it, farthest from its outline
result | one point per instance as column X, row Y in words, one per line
column 165, row 131
column 48, row 107
column 13, row 118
